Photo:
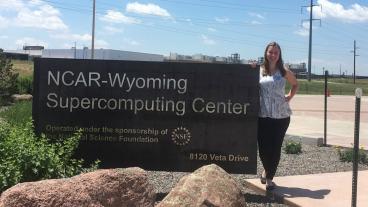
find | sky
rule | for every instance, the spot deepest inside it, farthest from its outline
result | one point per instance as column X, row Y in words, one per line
column 188, row 27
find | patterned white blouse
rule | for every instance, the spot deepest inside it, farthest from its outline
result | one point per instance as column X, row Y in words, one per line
column 272, row 96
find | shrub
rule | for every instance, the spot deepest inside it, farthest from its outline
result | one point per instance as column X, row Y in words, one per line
column 18, row 114
column 25, row 85
column 7, row 78
column 292, row 147
column 26, row 157
column 346, row 155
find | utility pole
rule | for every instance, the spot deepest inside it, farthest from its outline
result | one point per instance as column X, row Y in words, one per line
column 310, row 38
column 354, row 51
column 75, row 50
column 93, row 30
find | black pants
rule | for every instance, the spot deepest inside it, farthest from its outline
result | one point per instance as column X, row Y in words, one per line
column 271, row 133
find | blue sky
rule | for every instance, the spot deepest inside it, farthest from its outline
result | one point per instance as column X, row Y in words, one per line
column 210, row 27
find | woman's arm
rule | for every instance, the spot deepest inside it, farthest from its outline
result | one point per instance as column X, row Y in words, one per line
column 290, row 77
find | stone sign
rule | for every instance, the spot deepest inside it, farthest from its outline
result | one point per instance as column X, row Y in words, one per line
column 155, row 115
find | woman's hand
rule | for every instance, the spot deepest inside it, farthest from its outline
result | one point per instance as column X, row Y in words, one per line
column 287, row 98
column 294, row 84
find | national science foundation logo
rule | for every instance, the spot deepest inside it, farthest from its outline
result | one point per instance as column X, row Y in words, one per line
column 181, row 136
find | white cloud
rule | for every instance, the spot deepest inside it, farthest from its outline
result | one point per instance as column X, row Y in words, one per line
column 207, row 40
column 356, row 12
column 253, row 14
column 101, row 44
column 189, row 21
column 11, row 5
column 33, row 13
column 211, row 29
column 113, row 16
column 254, row 22
column 131, row 42
column 73, row 37
column 4, row 22
column 112, row 30
column 304, row 31
column 45, row 17
column 35, row 2
column 30, row 41
column 222, row 19
column 150, row 9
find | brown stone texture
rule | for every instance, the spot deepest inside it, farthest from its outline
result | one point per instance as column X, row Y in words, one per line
column 102, row 188
column 209, row 186
column 21, row 97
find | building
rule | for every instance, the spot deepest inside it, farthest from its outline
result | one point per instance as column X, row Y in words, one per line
column 298, row 68
column 85, row 53
column 234, row 58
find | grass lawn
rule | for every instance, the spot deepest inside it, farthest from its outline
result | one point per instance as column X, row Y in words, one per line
column 23, row 67
column 337, row 86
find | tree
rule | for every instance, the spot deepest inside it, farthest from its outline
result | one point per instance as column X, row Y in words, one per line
column 8, row 78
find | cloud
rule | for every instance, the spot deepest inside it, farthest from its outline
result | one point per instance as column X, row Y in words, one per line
column 254, row 22
column 101, row 44
column 211, row 29
column 46, row 17
column 304, row 31
column 35, row 2
column 253, row 14
column 33, row 13
column 30, row 41
column 131, row 42
column 222, row 19
column 150, row 9
column 11, row 5
column 4, row 22
column 113, row 16
column 207, row 40
column 112, row 30
column 73, row 37
column 356, row 12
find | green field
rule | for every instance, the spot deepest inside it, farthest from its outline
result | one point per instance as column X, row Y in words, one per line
column 336, row 86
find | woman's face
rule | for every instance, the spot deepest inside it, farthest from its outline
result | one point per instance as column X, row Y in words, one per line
column 273, row 54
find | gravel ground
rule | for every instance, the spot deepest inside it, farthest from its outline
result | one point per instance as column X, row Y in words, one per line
column 312, row 160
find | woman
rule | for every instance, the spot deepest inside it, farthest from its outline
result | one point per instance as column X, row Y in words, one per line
column 274, row 114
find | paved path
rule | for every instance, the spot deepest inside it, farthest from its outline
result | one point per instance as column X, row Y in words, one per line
column 308, row 119
column 317, row 190
column 329, row 189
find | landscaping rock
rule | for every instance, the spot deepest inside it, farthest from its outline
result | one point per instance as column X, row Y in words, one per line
column 102, row 188
column 208, row 186
column 21, row 97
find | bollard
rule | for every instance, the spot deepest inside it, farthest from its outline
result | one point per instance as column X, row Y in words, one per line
column 358, row 95
column 325, row 115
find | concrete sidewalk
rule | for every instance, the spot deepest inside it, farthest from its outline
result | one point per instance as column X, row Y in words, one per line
column 322, row 190
column 328, row 189
column 308, row 119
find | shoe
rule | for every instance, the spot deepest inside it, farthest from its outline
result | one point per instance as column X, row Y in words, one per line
column 270, row 186
column 263, row 179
